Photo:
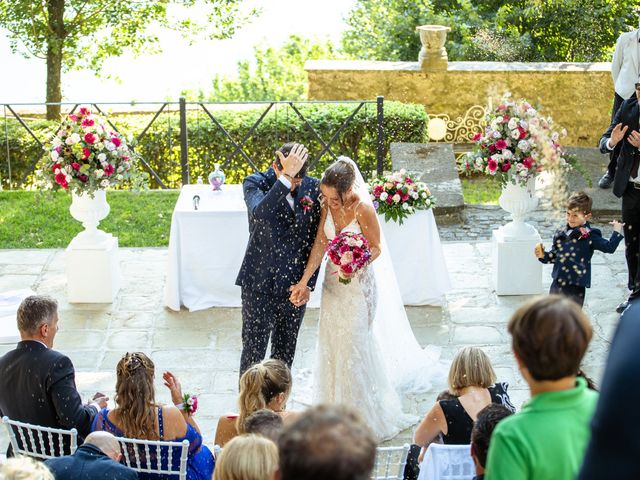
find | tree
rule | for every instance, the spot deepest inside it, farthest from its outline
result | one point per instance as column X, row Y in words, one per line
column 74, row 34
column 506, row 30
column 274, row 73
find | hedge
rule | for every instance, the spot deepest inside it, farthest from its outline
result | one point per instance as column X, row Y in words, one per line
column 160, row 146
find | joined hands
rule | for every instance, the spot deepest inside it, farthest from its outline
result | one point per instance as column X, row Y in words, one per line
column 300, row 294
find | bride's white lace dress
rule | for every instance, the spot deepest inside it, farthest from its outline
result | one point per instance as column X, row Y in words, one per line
column 350, row 367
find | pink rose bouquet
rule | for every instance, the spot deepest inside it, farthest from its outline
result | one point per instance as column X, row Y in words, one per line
column 349, row 251
column 86, row 155
column 398, row 195
column 516, row 144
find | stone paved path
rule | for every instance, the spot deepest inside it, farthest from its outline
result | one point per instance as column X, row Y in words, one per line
column 203, row 348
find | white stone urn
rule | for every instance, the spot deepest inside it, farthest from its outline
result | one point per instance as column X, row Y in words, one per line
column 90, row 211
column 433, row 55
column 518, row 200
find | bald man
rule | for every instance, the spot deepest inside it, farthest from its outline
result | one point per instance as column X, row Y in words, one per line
column 96, row 459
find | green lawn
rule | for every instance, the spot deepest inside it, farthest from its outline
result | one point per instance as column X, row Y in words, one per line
column 480, row 190
column 42, row 220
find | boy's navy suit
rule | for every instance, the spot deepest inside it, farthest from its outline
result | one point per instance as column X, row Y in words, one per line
column 280, row 241
column 571, row 253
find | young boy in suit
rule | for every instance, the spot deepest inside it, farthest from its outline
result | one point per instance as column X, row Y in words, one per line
column 573, row 247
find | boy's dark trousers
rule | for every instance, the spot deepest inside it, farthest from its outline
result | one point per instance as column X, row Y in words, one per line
column 574, row 292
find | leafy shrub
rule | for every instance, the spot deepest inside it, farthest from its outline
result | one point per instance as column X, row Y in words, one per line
column 160, row 145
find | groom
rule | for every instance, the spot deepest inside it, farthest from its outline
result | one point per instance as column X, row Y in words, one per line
column 284, row 213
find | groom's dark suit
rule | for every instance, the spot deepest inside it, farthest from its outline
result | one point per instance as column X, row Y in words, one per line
column 280, row 241
column 628, row 158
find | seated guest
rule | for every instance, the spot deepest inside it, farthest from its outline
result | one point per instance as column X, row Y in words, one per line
column 37, row 384
column 24, row 468
column 266, row 423
column 614, row 447
column 327, row 442
column 137, row 415
column 247, row 457
column 548, row 438
column 264, row 385
column 483, row 427
column 472, row 381
column 96, row 459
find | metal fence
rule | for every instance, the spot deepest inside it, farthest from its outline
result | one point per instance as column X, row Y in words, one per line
column 20, row 112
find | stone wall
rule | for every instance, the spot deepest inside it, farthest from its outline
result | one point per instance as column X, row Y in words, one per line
column 577, row 96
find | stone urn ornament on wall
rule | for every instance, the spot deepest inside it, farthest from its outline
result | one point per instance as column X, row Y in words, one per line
column 433, row 55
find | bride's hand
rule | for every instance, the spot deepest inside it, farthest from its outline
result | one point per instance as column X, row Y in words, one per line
column 299, row 294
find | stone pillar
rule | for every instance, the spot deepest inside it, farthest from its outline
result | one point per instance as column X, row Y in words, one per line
column 433, row 55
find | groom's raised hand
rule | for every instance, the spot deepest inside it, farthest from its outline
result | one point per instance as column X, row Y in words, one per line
column 292, row 163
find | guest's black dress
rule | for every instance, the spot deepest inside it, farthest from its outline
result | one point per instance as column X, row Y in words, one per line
column 460, row 424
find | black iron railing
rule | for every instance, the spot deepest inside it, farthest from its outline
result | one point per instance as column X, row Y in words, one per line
column 208, row 110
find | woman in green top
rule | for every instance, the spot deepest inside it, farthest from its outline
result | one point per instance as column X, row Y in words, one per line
column 548, row 438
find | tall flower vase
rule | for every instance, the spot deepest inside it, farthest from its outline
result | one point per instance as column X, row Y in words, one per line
column 518, row 200
column 516, row 270
column 92, row 263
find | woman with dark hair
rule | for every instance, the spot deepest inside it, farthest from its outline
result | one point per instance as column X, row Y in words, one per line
column 352, row 368
column 265, row 385
column 137, row 415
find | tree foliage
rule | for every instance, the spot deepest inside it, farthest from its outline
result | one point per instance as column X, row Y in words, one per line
column 273, row 73
column 72, row 34
column 501, row 30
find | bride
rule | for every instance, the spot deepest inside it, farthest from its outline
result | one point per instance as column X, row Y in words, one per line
column 365, row 343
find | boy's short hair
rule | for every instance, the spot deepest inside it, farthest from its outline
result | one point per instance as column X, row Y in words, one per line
column 285, row 150
column 483, row 427
column 264, row 422
column 580, row 201
column 550, row 336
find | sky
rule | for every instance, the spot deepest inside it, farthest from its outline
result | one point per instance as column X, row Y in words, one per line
column 180, row 66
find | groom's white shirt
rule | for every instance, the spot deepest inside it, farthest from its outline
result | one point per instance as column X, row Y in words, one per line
column 285, row 181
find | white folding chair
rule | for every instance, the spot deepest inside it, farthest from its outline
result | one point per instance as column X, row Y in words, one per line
column 155, row 456
column 40, row 442
column 390, row 462
column 447, row 462
column 217, row 451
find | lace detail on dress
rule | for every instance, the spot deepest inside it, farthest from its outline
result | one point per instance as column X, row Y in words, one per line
column 350, row 367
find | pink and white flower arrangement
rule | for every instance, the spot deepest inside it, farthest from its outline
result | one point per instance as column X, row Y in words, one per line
column 517, row 143
column 86, row 155
column 398, row 195
column 350, row 252
column 189, row 403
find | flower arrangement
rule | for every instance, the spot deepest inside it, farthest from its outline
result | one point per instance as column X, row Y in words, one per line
column 86, row 155
column 349, row 251
column 516, row 144
column 189, row 404
column 307, row 203
column 398, row 195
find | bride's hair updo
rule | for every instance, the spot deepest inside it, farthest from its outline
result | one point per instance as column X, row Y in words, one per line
column 259, row 385
column 340, row 175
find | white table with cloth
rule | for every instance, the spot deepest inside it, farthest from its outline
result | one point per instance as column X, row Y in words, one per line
column 206, row 248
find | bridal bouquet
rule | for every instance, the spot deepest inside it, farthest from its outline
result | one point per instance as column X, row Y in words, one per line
column 398, row 195
column 516, row 144
column 86, row 155
column 349, row 251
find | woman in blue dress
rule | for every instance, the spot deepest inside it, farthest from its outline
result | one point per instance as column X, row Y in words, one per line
column 137, row 415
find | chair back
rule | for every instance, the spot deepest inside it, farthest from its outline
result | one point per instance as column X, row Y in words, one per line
column 40, row 442
column 390, row 462
column 155, row 456
column 447, row 462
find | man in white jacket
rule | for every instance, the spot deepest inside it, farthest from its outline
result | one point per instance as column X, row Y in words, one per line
column 625, row 70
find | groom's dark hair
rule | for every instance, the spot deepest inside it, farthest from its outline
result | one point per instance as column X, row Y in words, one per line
column 327, row 442
column 285, row 150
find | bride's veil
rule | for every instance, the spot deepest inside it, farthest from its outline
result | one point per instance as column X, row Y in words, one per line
column 409, row 366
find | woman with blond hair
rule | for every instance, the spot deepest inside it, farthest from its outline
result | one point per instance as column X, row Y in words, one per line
column 138, row 415
column 247, row 457
column 472, row 381
column 264, row 385
column 24, row 468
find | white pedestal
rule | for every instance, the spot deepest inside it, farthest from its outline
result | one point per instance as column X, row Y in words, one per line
column 516, row 270
column 93, row 272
